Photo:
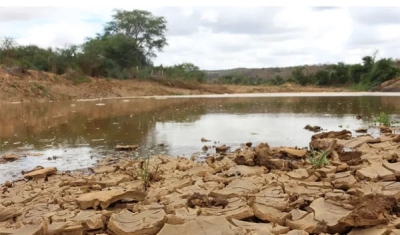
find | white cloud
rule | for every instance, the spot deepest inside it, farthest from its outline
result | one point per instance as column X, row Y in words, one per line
column 227, row 37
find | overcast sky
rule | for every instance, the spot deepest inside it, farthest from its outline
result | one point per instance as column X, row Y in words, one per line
column 229, row 37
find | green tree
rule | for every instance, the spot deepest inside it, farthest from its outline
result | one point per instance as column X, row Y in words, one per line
column 299, row 76
column 322, row 78
column 146, row 29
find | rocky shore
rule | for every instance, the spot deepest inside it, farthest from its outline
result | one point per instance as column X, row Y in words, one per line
column 254, row 190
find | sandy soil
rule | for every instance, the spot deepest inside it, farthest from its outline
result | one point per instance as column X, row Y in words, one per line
column 41, row 86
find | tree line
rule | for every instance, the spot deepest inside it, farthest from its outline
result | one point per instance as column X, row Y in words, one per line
column 127, row 46
column 125, row 49
column 361, row 76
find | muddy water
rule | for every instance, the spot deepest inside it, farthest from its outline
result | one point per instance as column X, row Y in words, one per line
column 73, row 132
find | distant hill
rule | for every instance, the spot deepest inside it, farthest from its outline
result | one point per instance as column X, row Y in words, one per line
column 263, row 73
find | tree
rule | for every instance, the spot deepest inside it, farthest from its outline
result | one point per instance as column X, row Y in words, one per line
column 299, row 76
column 146, row 29
column 322, row 78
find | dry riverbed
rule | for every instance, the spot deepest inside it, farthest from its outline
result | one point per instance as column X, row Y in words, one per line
column 252, row 190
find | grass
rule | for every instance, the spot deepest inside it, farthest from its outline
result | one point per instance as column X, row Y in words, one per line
column 144, row 173
column 384, row 119
column 318, row 158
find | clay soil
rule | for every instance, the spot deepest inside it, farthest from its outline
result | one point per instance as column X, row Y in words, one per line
column 29, row 85
column 254, row 190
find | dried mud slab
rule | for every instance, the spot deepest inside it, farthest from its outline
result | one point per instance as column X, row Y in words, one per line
column 148, row 222
column 372, row 210
column 203, row 225
column 105, row 198
column 42, row 173
column 344, row 134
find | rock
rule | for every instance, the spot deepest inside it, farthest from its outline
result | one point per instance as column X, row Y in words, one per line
column 10, row 157
column 127, row 223
column 344, row 134
column 126, row 147
column 42, row 173
column 396, row 139
column 252, row 226
column 56, row 228
column 39, row 228
column 105, row 198
column 237, row 188
column 297, row 232
column 393, row 167
column 245, row 171
column 203, row 225
column 361, row 130
column 344, row 180
column 331, row 214
column 351, row 158
column 74, row 230
column 222, row 149
column 273, row 197
column 236, row 209
column 270, row 214
column 245, row 158
column 204, row 139
column 262, row 154
column 221, row 165
column 313, row 128
column 307, row 223
column 90, row 220
column 370, row 231
column 374, row 172
column 9, row 212
column 298, row 174
column 385, row 129
column 371, row 210
column 104, row 169
column 294, row 153
column 8, row 184
column 249, row 144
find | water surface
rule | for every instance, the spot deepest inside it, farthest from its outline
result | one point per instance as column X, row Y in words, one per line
column 73, row 131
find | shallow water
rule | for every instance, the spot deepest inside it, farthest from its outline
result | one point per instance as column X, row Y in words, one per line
column 72, row 131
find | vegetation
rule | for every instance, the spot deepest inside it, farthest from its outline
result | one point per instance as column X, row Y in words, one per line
column 384, row 119
column 319, row 158
column 128, row 44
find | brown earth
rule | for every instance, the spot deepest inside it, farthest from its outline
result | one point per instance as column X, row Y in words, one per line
column 388, row 86
column 250, row 191
column 29, row 85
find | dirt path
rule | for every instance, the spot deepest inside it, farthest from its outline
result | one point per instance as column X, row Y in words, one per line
column 41, row 86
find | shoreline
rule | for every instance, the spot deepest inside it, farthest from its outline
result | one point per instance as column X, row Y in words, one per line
column 252, row 190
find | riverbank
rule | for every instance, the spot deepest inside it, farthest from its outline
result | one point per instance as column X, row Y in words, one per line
column 30, row 85
column 251, row 190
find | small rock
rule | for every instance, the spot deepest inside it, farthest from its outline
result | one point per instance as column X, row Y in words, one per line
column 126, row 147
column 10, row 157
column 205, row 140
column 249, row 144
column 105, row 198
column 222, row 149
column 362, row 130
column 42, row 173
column 313, row 128
column 8, row 184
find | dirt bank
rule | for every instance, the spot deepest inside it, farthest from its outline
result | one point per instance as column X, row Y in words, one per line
column 252, row 190
column 17, row 85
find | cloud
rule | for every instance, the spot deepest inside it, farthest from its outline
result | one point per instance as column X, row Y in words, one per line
column 228, row 37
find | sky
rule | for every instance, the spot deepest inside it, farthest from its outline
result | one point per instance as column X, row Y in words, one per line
column 228, row 37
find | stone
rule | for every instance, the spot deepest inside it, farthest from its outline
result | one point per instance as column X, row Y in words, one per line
column 9, row 212
column 42, row 173
column 89, row 220
column 369, row 231
column 105, row 198
column 252, row 226
column 147, row 222
column 203, row 225
column 294, row 153
column 361, row 130
column 298, row 174
column 237, row 188
column 376, row 172
column 269, row 214
column 344, row 180
column 297, row 232
column 344, row 134
column 103, row 169
column 221, row 149
column 242, row 170
column 393, row 167
column 38, row 228
column 313, row 128
column 10, row 157
column 307, row 223
column 246, row 157
column 236, row 208
column 74, row 230
column 126, row 147
column 56, row 228
column 331, row 214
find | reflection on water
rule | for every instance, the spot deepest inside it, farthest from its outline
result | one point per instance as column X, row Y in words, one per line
column 178, row 123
